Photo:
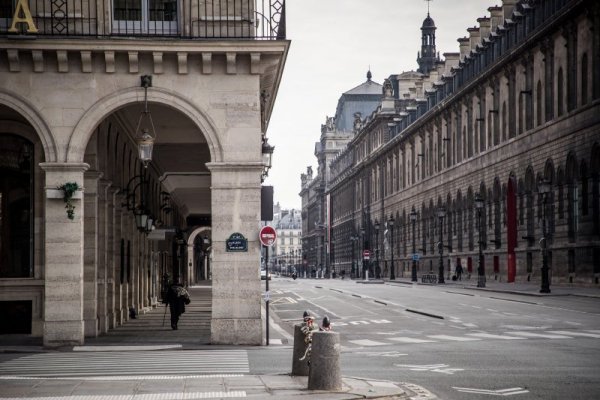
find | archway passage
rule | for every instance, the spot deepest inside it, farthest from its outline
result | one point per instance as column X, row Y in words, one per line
column 511, row 228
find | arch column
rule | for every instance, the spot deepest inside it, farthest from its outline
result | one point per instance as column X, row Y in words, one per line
column 91, row 251
column 63, row 253
column 236, row 303
column 104, row 259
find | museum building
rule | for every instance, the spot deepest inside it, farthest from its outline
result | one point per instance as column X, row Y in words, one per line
column 132, row 148
column 489, row 158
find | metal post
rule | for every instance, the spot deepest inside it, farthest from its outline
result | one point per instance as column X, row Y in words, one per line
column 376, row 250
column 393, row 272
column 413, row 218
column 267, row 290
column 544, row 188
column 479, row 204
column 441, row 215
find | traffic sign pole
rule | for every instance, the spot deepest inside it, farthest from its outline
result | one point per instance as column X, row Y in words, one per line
column 267, row 237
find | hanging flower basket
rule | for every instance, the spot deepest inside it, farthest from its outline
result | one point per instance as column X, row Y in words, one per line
column 69, row 190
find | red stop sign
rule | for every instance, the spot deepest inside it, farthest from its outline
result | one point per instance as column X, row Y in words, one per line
column 267, row 235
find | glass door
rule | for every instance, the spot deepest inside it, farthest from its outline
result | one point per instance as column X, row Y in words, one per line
column 144, row 17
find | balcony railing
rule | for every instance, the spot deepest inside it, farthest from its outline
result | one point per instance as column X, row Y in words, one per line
column 191, row 19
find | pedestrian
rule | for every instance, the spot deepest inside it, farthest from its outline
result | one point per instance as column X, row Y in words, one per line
column 459, row 270
column 177, row 298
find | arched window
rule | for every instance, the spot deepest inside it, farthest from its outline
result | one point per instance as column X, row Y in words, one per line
column 16, row 207
column 595, row 175
column 584, row 79
column 521, row 112
column 560, row 93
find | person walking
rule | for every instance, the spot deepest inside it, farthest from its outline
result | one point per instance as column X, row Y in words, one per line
column 459, row 270
column 177, row 298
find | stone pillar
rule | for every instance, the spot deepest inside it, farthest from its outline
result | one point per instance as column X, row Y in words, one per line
column 90, row 253
column 325, row 372
column 119, row 234
column 112, row 246
column 103, row 242
column 236, row 303
column 299, row 367
column 63, row 254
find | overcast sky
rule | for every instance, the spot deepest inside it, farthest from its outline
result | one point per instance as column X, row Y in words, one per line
column 333, row 44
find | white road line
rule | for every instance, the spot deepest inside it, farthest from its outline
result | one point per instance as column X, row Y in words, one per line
column 491, row 336
column 367, row 342
column 411, row 340
column 126, row 348
column 539, row 335
column 454, row 338
column 571, row 333
column 149, row 396
column 121, row 378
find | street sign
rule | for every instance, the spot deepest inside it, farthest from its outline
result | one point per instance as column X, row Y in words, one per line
column 416, row 257
column 267, row 235
column 366, row 254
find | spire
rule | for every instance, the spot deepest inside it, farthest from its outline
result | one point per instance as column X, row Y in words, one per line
column 427, row 58
column 369, row 75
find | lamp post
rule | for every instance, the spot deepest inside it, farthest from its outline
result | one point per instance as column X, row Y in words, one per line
column 544, row 188
column 413, row 219
column 267, row 155
column 479, row 204
column 353, row 239
column 362, row 235
column 391, row 225
column 376, row 248
column 441, row 213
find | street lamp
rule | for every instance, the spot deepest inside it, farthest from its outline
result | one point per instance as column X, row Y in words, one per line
column 479, row 204
column 376, row 247
column 413, row 219
column 544, row 188
column 391, row 225
column 441, row 213
column 145, row 127
column 267, row 155
column 362, row 235
column 353, row 239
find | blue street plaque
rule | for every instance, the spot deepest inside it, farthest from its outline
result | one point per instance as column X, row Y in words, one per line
column 416, row 257
column 236, row 242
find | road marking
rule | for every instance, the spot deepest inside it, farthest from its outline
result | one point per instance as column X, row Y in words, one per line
column 454, row 338
column 501, row 392
column 491, row 336
column 382, row 353
column 573, row 323
column 149, row 396
column 570, row 333
column 359, row 322
column 126, row 348
column 119, row 378
column 539, row 335
column 469, row 325
column 367, row 342
column 594, row 331
column 381, row 321
column 411, row 340
column 440, row 368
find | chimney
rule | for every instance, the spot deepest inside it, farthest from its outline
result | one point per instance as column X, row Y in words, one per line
column 465, row 47
column 507, row 8
column 451, row 61
column 474, row 37
column 496, row 17
column 484, row 27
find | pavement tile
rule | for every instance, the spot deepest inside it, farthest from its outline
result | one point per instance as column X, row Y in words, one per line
column 284, row 382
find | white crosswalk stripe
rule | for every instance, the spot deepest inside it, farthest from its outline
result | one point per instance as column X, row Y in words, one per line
column 571, row 333
column 453, row 338
column 491, row 336
column 367, row 342
column 411, row 340
column 539, row 335
column 192, row 362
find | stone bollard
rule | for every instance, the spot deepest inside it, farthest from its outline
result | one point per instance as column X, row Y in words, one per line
column 325, row 371
column 299, row 368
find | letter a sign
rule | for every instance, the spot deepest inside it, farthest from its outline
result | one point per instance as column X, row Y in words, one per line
column 267, row 235
column 22, row 16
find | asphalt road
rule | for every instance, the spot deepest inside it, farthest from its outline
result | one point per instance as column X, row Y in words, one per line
column 458, row 343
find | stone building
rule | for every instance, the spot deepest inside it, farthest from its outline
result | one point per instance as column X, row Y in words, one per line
column 498, row 152
column 84, row 86
column 287, row 251
column 335, row 135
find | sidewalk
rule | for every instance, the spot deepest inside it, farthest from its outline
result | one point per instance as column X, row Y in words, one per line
column 522, row 288
column 280, row 387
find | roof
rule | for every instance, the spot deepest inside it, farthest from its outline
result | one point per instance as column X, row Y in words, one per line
column 368, row 87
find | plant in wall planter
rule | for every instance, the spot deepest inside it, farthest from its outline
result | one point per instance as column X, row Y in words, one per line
column 69, row 189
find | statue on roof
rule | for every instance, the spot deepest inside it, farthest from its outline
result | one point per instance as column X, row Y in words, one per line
column 357, row 121
column 330, row 122
column 388, row 90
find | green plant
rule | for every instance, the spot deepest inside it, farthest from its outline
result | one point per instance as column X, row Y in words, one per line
column 69, row 189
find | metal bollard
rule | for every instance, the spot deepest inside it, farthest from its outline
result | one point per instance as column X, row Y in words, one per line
column 325, row 371
column 299, row 368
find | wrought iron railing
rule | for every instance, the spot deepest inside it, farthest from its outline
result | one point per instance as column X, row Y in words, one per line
column 192, row 19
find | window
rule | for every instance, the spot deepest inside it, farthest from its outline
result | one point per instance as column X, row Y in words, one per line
column 16, row 207
column 144, row 16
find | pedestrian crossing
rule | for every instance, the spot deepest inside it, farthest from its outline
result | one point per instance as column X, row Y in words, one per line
column 127, row 363
column 476, row 336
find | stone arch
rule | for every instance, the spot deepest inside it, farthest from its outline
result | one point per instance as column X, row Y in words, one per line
column 105, row 106
column 190, row 250
column 20, row 105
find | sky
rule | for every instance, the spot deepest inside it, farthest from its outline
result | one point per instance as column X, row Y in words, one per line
column 334, row 43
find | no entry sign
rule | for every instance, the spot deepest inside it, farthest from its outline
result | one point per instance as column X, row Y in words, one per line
column 267, row 235
column 366, row 254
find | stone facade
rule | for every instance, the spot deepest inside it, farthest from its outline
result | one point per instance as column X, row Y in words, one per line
column 77, row 98
column 520, row 107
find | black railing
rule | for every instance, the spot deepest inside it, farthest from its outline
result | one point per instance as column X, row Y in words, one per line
column 191, row 19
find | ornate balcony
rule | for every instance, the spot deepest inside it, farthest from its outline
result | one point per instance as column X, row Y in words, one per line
column 184, row 19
